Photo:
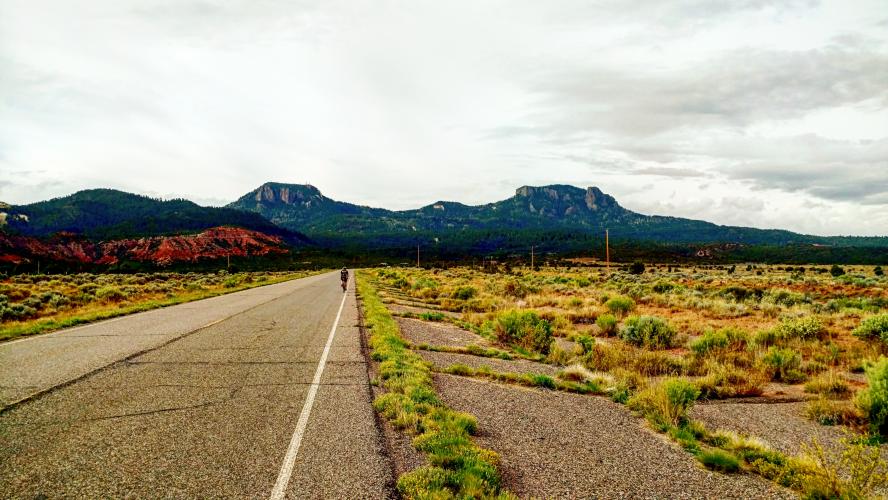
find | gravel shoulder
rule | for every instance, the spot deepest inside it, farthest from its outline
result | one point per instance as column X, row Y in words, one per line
column 442, row 360
column 781, row 425
column 438, row 334
column 560, row 445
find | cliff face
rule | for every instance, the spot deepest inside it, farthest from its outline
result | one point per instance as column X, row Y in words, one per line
column 215, row 243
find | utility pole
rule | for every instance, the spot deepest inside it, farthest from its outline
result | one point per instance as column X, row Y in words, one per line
column 417, row 255
column 607, row 250
column 531, row 257
column 228, row 259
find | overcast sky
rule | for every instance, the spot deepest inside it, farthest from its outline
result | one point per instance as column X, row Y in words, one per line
column 747, row 112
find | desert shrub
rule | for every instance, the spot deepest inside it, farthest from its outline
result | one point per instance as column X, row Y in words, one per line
column 663, row 286
column 854, row 471
column 620, row 306
column 804, row 328
column 16, row 312
column 558, row 356
column 873, row 401
column 230, row 282
column 828, row 384
column 836, row 270
column 785, row 297
column 636, row 268
column 728, row 381
column 604, row 357
column 720, row 340
column 719, row 460
column 514, row 288
column 607, row 323
column 525, row 329
column 431, row 316
column 648, row 331
column 583, row 282
column 666, row 404
column 110, row 294
column 874, row 327
column 829, row 412
column 625, row 383
column 585, row 343
column 878, row 271
column 740, row 294
column 783, row 364
column 653, row 364
column 464, row 293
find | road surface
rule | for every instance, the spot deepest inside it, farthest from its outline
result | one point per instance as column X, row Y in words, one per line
column 258, row 394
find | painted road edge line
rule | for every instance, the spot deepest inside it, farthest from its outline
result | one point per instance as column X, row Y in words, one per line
column 283, row 479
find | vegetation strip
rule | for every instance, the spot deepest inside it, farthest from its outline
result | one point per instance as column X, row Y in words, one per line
column 46, row 325
column 458, row 468
column 527, row 379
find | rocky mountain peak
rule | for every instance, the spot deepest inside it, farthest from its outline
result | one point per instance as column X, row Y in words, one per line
column 289, row 194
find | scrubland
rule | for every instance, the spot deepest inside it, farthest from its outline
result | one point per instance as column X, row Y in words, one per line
column 666, row 339
column 31, row 304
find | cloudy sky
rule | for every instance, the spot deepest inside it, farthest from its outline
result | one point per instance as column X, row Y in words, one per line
column 748, row 112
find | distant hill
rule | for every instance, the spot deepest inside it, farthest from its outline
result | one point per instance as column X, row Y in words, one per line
column 108, row 214
column 211, row 244
column 557, row 217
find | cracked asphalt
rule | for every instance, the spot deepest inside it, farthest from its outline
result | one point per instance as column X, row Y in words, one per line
column 208, row 413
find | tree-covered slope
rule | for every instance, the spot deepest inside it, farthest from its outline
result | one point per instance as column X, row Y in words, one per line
column 110, row 214
column 565, row 213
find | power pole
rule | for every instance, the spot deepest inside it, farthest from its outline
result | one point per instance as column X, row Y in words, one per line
column 607, row 250
column 228, row 259
column 417, row 255
column 531, row 257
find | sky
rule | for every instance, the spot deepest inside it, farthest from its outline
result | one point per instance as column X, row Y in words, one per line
column 742, row 112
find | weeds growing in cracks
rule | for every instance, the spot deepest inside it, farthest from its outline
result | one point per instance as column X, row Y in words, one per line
column 458, row 468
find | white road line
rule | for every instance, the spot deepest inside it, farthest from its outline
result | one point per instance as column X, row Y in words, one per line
column 280, row 487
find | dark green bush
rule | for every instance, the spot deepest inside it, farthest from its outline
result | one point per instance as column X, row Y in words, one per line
column 648, row 331
column 874, row 327
column 525, row 329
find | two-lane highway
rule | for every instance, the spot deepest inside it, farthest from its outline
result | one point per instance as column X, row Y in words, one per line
column 213, row 411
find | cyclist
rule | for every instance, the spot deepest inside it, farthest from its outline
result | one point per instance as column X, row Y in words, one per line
column 343, row 275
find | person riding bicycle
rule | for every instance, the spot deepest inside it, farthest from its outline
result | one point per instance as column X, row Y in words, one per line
column 343, row 275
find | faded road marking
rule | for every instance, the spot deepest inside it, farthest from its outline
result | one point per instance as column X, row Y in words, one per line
column 280, row 487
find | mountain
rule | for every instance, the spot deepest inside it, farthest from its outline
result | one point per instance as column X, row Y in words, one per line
column 214, row 243
column 107, row 214
column 558, row 217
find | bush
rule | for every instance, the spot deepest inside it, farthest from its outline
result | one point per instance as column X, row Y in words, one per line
column 836, row 271
column 607, row 323
column 663, row 286
column 525, row 329
column 636, row 268
column 666, row 405
column 619, row 306
column 719, row 460
column 464, row 293
column 585, row 343
column 804, row 328
column 828, row 412
column 878, row 271
column 874, row 327
column 873, row 401
column 648, row 331
column 783, row 364
column 110, row 293
column 829, row 384
column 720, row 340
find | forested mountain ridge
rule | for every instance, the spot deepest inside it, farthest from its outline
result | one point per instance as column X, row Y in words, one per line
column 557, row 209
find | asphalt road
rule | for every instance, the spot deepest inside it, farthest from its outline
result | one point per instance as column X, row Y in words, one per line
column 209, row 408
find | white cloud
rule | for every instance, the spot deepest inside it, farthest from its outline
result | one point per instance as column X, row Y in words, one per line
column 753, row 112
